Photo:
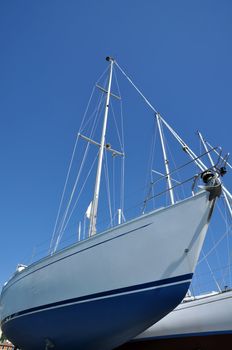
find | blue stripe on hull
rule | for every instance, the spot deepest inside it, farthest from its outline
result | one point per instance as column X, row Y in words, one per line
column 100, row 324
column 104, row 294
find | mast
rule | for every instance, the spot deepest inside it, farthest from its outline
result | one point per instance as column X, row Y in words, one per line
column 93, row 215
column 169, row 181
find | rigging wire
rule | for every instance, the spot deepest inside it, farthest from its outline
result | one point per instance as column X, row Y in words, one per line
column 62, row 223
column 225, row 219
column 212, row 274
column 121, row 112
column 68, row 173
column 178, row 175
column 122, row 150
column 216, row 244
column 108, row 188
column 122, row 187
column 136, row 88
column 63, row 193
column 87, row 108
column 100, row 98
column 116, row 127
column 229, row 260
column 113, row 186
column 228, row 164
column 215, row 250
column 70, row 200
column 152, row 162
column 80, row 192
column 173, row 171
column 149, row 178
column 106, row 166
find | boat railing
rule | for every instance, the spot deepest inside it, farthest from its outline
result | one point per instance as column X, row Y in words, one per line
column 206, row 177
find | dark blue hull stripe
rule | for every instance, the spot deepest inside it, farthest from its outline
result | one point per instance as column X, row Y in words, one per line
column 172, row 280
column 100, row 324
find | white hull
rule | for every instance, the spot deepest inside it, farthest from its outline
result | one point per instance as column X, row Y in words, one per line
column 205, row 322
column 102, row 292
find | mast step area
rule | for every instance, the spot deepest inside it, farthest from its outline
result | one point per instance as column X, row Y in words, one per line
column 104, row 90
column 107, row 146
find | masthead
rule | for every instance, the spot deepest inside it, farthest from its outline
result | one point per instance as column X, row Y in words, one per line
column 108, row 58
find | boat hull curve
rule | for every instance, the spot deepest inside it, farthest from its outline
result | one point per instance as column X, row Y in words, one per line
column 120, row 282
column 69, row 326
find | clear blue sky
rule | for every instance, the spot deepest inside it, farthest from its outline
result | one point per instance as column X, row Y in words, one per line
column 178, row 52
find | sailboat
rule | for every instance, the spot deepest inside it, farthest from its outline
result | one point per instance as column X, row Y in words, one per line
column 104, row 290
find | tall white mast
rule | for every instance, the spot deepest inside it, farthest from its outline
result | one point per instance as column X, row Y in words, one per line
column 169, row 181
column 93, row 215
